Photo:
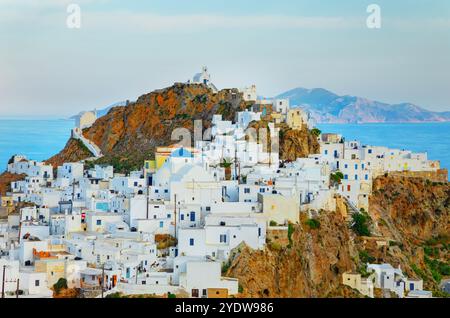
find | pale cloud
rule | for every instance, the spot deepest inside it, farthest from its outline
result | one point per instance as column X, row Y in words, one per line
column 153, row 22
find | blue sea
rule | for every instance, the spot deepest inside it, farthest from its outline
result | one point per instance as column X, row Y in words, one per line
column 432, row 138
column 37, row 139
column 41, row 139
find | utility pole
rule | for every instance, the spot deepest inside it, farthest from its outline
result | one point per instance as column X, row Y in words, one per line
column 137, row 271
column 103, row 278
column 17, row 288
column 3, row 281
column 175, row 213
column 148, row 190
column 20, row 224
column 235, row 163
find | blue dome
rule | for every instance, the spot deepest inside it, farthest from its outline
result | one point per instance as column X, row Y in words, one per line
column 181, row 153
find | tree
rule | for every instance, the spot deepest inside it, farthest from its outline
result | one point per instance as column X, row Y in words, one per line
column 360, row 224
column 227, row 163
column 316, row 132
column 60, row 285
column 336, row 178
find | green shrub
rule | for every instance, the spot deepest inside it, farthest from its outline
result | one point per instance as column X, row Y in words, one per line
column 275, row 246
column 360, row 224
column 114, row 295
column 240, row 289
column 336, row 177
column 273, row 223
column 170, row 295
column 59, row 285
column 418, row 271
column 313, row 224
column 316, row 132
column 225, row 267
column 365, row 257
column 290, row 232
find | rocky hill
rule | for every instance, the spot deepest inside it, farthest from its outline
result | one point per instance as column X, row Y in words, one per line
column 293, row 143
column 328, row 107
column 127, row 135
column 410, row 214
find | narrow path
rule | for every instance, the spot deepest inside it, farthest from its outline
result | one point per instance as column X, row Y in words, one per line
column 93, row 148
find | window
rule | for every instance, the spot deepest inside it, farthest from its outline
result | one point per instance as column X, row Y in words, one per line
column 246, row 190
column 223, row 238
column 99, row 222
column 370, row 150
column 356, row 177
column 36, row 283
column 356, row 167
column 135, row 184
column 362, row 166
column 259, row 232
column 182, row 217
column 191, row 242
column 349, row 188
column 346, row 177
column 166, row 191
column 262, row 190
column 366, row 177
column 169, row 216
column 156, row 191
column 192, row 216
column 326, row 152
column 161, row 224
column 346, row 166
column 208, row 208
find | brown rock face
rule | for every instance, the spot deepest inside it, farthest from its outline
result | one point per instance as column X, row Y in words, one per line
column 417, row 208
column 73, row 151
column 128, row 135
column 311, row 267
column 294, row 143
column 5, row 181
column 412, row 213
column 297, row 144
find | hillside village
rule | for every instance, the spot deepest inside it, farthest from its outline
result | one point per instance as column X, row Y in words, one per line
column 170, row 228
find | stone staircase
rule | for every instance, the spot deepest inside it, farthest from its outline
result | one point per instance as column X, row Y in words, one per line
column 352, row 209
column 93, row 148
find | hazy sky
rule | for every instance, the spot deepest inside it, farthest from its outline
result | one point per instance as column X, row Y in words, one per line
column 126, row 48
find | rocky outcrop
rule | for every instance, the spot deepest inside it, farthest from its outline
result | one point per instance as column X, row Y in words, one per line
column 293, row 143
column 297, row 144
column 410, row 226
column 73, row 151
column 128, row 135
column 5, row 181
column 417, row 209
column 310, row 267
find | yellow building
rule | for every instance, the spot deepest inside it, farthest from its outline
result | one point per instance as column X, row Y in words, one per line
column 277, row 118
column 280, row 209
column 163, row 153
column 296, row 119
column 7, row 203
column 53, row 267
column 354, row 280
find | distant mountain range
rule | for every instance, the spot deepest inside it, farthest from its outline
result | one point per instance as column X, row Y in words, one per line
column 102, row 112
column 328, row 107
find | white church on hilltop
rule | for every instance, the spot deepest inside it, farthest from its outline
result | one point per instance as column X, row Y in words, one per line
column 204, row 78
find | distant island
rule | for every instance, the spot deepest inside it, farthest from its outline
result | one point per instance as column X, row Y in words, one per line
column 328, row 107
